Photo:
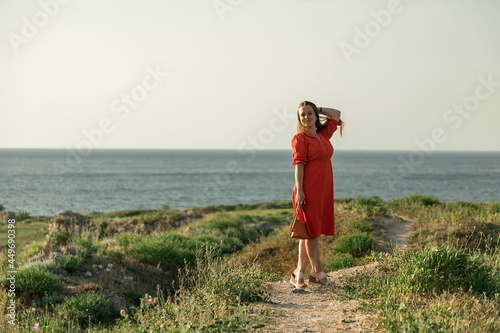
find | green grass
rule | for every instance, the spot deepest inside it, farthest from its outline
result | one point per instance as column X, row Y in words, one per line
column 37, row 281
column 86, row 308
column 71, row 263
column 61, row 238
column 450, row 283
column 445, row 269
column 357, row 245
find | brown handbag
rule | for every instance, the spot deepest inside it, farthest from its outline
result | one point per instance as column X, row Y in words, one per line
column 298, row 228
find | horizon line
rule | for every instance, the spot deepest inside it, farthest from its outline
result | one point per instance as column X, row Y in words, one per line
column 259, row 150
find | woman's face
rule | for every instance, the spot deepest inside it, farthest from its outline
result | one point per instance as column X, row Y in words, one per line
column 307, row 116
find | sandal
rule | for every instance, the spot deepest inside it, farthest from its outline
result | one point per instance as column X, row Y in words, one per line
column 295, row 280
column 317, row 280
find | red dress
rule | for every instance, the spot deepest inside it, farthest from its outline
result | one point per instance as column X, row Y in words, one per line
column 316, row 156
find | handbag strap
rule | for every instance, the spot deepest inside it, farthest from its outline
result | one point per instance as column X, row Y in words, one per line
column 295, row 217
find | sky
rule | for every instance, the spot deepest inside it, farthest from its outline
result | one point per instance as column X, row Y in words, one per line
column 229, row 74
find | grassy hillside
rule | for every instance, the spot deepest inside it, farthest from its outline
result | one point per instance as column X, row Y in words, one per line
column 206, row 273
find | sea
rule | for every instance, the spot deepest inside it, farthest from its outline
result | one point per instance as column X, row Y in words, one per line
column 43, row 182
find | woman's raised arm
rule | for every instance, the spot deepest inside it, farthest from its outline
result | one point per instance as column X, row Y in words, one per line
column 332, row 113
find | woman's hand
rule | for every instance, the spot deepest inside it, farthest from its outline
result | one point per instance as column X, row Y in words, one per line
column 300, row 196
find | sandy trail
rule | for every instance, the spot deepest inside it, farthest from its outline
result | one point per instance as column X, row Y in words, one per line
column 320, row 309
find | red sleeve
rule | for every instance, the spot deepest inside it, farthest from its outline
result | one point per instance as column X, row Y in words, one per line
column 299, row 149
column 331, row 127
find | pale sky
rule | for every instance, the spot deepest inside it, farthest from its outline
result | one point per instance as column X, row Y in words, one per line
column 229, row 74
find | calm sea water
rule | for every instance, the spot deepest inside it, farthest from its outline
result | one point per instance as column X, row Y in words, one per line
column 43, row 182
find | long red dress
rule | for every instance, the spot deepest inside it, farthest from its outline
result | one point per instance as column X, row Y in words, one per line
column 316, row 156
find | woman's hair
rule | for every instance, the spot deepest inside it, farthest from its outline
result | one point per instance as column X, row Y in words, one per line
column 319, row 124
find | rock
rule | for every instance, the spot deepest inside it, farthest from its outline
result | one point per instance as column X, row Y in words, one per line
column 263, row 225
column 88, row 274
column 118, row 304
column 68, row 250
column 110, row 266
column 73, row 223
column 56, row 255
column 99, row 266
column 5, row 216
column 36, row 258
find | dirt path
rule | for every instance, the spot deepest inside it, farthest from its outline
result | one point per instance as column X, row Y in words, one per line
column 320, row 309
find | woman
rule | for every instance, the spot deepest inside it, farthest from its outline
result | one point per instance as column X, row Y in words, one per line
column 312, row 152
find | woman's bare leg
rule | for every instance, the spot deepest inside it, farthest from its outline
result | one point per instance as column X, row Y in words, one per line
column 302, row 263
column 312, row 247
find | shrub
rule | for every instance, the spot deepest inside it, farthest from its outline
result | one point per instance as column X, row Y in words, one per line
column 61, row 238
column 151, row 217
column 371, row 205
column 22, row 215
column 1, row 207
column 355, row 244
column 85, row 308
column 71, row 264
column 175, row 216
column 340, row 261
column 446, row 269
column 85, row 246
column 495, row 208
column 134, row 296
column 208, row 299
column 415, row 199
column 166, row 249
column 51, row 299
column 127, row 239
column 233, row 227
column 33, row 280
column 115, row 255
column 357, row 226
column 468, row 205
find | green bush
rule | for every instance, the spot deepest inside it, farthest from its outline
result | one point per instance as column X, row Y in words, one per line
column 115, row 255
column 446, row 269
column 371, row 205
column 357, row 226
column 85, row 308
column 340, row 261
column 71, row 264
column 33, row 280
column 22, row 215
column 51, row 299
column 134, row 296
column 85, row 246
column 165, row 249
column 151, row 217
column 495, row 208
column 175, row 216
column 233, row 227
column 1, row 207
column 211, row 297
column 415, row 199
column 61, row 238
column 355, row 244
column 467, row 205
column 127, row 239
